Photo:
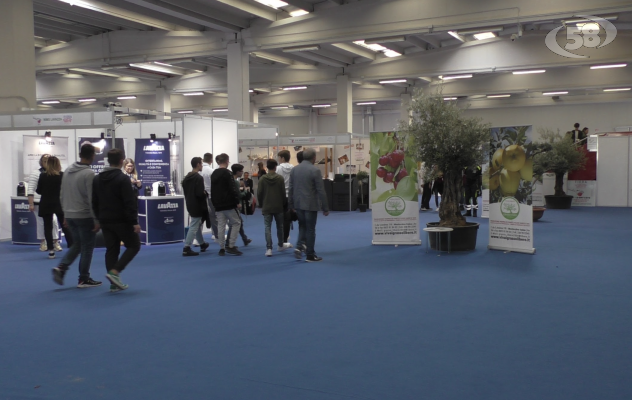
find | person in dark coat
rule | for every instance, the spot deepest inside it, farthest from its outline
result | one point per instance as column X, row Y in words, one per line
column 49, row 187
column 196, row 200
column 244, row 196
column 271, row 193
column 116, row 208
column 472, row 176
column 225, row 198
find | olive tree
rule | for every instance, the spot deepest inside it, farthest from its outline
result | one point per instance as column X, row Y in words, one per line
column 442, row 137
column 562, row 156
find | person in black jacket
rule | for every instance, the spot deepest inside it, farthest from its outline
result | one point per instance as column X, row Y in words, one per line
column 195, row 198
column 472, row 175
column 49, row 187
column 116, row 208
column 225, row 198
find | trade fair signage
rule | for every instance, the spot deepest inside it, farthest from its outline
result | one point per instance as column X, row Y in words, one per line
column 101, row 147
column 35, row 146
column 153, row 161
column 583, row 192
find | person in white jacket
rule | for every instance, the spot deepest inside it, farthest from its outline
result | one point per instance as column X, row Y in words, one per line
column 284, row 168
column 34, row 200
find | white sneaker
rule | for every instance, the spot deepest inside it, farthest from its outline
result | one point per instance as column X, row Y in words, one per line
column 285, row 247
column 269, row 253
column 57, row 246
column 43, row 246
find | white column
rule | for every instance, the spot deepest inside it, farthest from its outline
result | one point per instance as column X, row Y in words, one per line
column 344, row 120
column 163, row 101
column 238, row 83
column 17, row 63
column 405, row 114
column 254, row 113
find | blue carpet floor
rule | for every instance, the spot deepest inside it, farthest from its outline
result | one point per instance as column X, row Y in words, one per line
column 368, row 322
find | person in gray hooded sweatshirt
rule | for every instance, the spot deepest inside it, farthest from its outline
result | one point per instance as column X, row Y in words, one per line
column 76, row 202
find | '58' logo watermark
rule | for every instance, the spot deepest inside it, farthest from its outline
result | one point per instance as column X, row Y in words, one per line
column 585, row 34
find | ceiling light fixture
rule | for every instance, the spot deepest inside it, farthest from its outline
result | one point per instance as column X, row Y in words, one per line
column 185, row 112
column 86, row 100
column 279, row 107
column 480, row 30
column 126, row 97
column 448, row 77
column 295, row 88
column 152, row 137
column 604, row 66
column 455, row 35
column 273, row 3
column 321, row 105
column 532, row 71
column 484, row 35
column 272, row 58
column 193, row 94
column 48, row 136
column 450, row 98
column 617, row 90
column 161, row 63
column 220, row 109
column 171, row 136
column 366, row 103
column 298, row 13
column 378, row 48
column 90, row 72
column 296, row 49
column 394, row 81
column 611, row 17
column 497, row 96
column 388, row 39
column 554, row 93
column 51, row 102
column 250, row 91
column 154, row 68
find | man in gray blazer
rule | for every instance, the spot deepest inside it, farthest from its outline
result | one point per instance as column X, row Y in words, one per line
column 307, row 196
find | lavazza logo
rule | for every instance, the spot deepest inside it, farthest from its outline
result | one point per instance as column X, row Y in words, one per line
column 154, row 147
column 167, row 206
column 23, row 221
column 21, row 206
column 585, row 33
column 169, row 220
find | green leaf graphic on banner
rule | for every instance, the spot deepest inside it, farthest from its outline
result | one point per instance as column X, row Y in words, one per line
column 407, row 189
column 385, row 196
column 374, row 164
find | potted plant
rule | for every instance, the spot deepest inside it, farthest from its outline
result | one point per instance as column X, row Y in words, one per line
column 443, row 138
column 562, row 157
column 362, row 177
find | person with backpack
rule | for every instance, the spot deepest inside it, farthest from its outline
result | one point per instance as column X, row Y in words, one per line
column 271, row 192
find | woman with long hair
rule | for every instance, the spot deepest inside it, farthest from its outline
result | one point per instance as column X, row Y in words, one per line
column 129, row 169
column 49, row 187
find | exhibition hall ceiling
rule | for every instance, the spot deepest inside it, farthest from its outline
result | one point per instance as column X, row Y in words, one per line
column 99, row 50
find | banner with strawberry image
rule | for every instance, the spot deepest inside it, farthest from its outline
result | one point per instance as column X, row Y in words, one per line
column 510, row 182
column 394, row 201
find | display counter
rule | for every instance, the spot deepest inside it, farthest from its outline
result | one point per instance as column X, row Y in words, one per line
column 23, row 222
column 161, row 219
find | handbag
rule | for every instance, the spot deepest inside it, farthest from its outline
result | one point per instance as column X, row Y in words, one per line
column 293, row 215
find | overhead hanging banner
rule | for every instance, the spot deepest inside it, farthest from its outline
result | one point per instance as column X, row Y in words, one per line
column 35, row 146
column 510, row 182
column 153, row 161
column 395, row 208
column 101, row 148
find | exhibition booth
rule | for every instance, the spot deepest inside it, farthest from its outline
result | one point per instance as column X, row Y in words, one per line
column 160, row 147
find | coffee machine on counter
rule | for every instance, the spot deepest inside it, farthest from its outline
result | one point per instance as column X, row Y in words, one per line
column 159, row 189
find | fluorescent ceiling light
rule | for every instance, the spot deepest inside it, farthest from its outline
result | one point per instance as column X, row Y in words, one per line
column 622, row 65
column 185, row 112
column 377, row 48
column 279, row 107
column 160, row 63
column 617, row 90
column 126, row 97
column 389, row 39
column 220, row 109
column 553, row 93
column 497, row 96
column 532, row 71
column 611, row 17
column 295, row 88
column 122, row 115
column 193, row 94
column 273, row 3
column 450, row 98
column 86, row 100
column 484, row 35
column 295, row 49
column 298, row 13
column 272, row 58
column 593, row 26
column 155, row 68
column 366, row 103
column 448, row 77
column 51, row 102
column 456, row 36
column 391, row 53
column 394, row 81
column 321, row 105
column 87, row 71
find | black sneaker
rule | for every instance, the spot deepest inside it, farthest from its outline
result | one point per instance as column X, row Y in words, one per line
column 247, row 242
column 222, row 252
column 86, row 283
column 51, row 254
column 187, row 252
column 204, row 246
column 313, row 258
column 234, row 251
column 58, row 275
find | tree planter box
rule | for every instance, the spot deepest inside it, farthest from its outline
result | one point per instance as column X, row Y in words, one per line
column 462, row 238
column 558, row 202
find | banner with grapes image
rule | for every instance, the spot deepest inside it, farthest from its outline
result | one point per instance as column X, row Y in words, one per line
column 509, row 180
column 394, row 201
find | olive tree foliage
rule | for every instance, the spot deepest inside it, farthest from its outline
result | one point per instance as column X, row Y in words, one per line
column 562, row 156
column 446, row 141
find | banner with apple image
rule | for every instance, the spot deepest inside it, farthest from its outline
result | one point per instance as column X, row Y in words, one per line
column 510, row 183
column 395, row 208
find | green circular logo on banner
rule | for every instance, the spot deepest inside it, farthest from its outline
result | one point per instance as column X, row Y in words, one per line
column 510, row 208
column 395, row 206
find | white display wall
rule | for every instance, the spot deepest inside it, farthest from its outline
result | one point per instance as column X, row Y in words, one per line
column 614, row 172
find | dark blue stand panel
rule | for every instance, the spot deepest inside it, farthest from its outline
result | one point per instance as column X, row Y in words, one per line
column 163, row 221
column 23, row 222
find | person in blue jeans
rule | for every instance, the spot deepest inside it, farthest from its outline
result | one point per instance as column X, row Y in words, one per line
column 76, row 202
column 195, row 197
column 271, row 194
column 307, row 197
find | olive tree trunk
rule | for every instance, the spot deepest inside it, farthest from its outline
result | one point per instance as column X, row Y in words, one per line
column 449, row 212
column 559, row 184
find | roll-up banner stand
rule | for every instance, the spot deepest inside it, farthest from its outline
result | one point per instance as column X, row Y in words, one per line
column 395, row 208
column 153, row 162
column 510, row 189
column 101, row 148
column 35, row 146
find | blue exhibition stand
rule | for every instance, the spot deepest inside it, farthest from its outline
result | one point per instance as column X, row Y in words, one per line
column 161, row 219
column 23, row 222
